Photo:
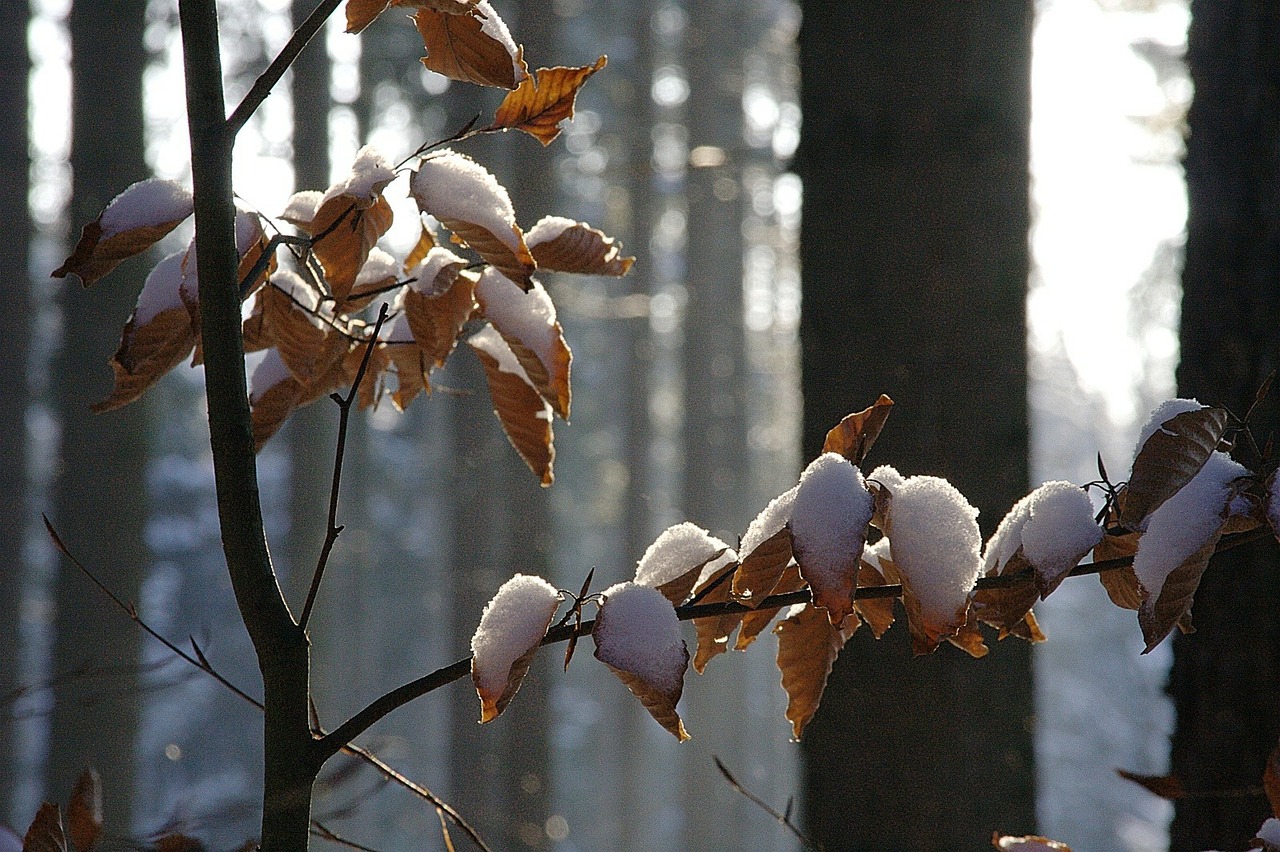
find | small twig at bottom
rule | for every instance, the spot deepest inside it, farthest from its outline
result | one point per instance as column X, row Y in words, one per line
column 784, row 819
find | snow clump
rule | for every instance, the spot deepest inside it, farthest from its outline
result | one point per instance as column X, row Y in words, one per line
column 511, row 624
column 679, row 549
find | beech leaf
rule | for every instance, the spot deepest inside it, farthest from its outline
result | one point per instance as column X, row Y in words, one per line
column 828, row 530
column 637, row 635
column 525, row 416
column 527, row 322
column 853, row 436
column 677, row 559
column 1167, row 787
column 273, row 394
column 543, row 100
column 84, row 811
column 713, row 633
column 510, row 632
column 808, row 644
column 133, row 222
column 755, row 622
column 1158, row 614
column 876, row 612
column 474, row 47
column 1027, row 843
column 45, row 833
column 1169, row 459
column 762, row 568
column 564, row 245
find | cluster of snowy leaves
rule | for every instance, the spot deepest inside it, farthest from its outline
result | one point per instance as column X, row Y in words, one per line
column 810, row 544
column 310, row 315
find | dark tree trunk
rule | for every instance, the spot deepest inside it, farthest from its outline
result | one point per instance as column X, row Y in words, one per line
column 1226, row 676
column 915, row 259
column 99, row 490
column 14, row 287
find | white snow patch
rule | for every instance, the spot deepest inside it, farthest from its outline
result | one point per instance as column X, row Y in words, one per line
column 488, row 340
column 1061, row 529
column 1007, row 538
column 936, row 543
column 450, row 185
column 271, row 371
column 679, row 549
column 370, row 174
column 873, row 553
column 528, row 317
column 379, row 266
column 494, row 27
column 1184, row 522
column 162, row 290
column 771, row 519
column 830, row 515
column 641, row 635
column 1165, row 411
column 1270, row 831
column 302, row 206
column 888, row 476
column 512, row 623
column 425, row 274
column 547, row 229
column 147, row 203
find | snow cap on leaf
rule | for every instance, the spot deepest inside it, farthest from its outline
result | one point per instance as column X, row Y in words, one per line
column 677, row 559
column 510, row 631
column 829, row 528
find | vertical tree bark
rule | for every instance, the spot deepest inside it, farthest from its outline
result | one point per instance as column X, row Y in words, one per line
column 1226, row 677
column 14, row 289
column 99, row 490
column 914, row 253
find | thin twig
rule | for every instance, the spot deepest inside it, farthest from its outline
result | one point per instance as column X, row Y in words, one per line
column 267, row 80
column 344, row 414
column 782, row 818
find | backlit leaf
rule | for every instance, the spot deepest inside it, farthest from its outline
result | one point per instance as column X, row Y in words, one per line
column 438, row 313
column 1169, row 459
column 133, row 222
column 1027, row 843
column 1121, row 583
column 757, row 621
column 527, row 322
column 273, row 394
column 714, row 632
column 84, row 811
column 299, row 328
column 1157, row 616
column 808, row 645
column 475, row 47
column 853, row 436
column 876, row 612
column 828, row 530
column 564, row 245
column 761, row 569
column 1006, row 608
column 510, row 631
column 543, row 100
column 1167, row 787
column 45, row 833
column 525, row 417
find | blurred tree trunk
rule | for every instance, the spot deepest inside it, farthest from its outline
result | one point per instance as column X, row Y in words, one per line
column 99, row 502
column 16, row 225
column 1226, row 677
column 914, row 253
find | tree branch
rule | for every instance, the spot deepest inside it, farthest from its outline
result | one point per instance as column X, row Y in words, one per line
column 267, row 80
column 783, row 819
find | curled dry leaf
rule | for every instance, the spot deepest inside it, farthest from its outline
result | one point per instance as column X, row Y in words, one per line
column 853, row 436
column 713, row 633
column 474, row 47
column 362, row 13
column 808, row 644
column 543, row 100
column 510, row 632
column 564, row 245
column 1006, row 608
column 762, row 568
column 1170, row 458
column 527, row 322
column 45, row 832
column 1120, row 583
column 969, row 638
column 755, row 622
column 84, row 811
column 525, row 416
column 637, row 635
column 299, row 327
column 412, row 369
column 273, row 394
column 828, row 530
column 438, row 303
column 876, row 612
column 157, row 337
column 133, row 222
column 1165, row 786
column 1158, row 615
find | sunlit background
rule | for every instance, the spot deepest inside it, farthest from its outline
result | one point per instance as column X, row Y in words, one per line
column 1109, row 95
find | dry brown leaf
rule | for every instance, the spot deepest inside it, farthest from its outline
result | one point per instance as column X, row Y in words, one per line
column 1170, row 459
column 308, row 345
column 181, row 843
column 1165, row 786
column 412, row 369
column 755, row 622
column 853, row 436
column 567, row 246
column 146, row 353
column 133, row 222
column 678, row 588
column 344, row 374
column 876, row 612
column 362, row 13
column 84, row 811
column 426, row 242
column 527, row 323
column 516, row 263
column 1121, row 583
column 45, row 833
column 808, row 645
column 512, row 625
column 525, row 417
column 761, row 569
column 437, row 320
column 1027, row 843
column 461, row 47
column 270, row 408
column 1007, row 608
column 349, row 232
column 713, row 633
column 1173, row 605
column 543, row 100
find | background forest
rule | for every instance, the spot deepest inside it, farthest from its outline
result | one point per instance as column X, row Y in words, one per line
column 919, row 132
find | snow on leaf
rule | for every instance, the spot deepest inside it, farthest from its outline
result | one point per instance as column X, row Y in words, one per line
column 564, row 245
column 674, row 562
column 772, row 518
column 828, row 530
column 511, row 629
column 934, row 541
column 637, row 635
column 157, row 337
column 525, row 416
column 808, row 644
column 527, row 321
column 469, row 201
column 1059, row 532
column 853, row 436
column 84, row 811
column 273, row 394
column 543, row 100
column 45, row 833
column 762, row 568
column 438, row 304
column 475, row 47
column 1176, row 442
column 133, row 222
column 1007, row 608
column 378, row 275
column 1179, row 540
